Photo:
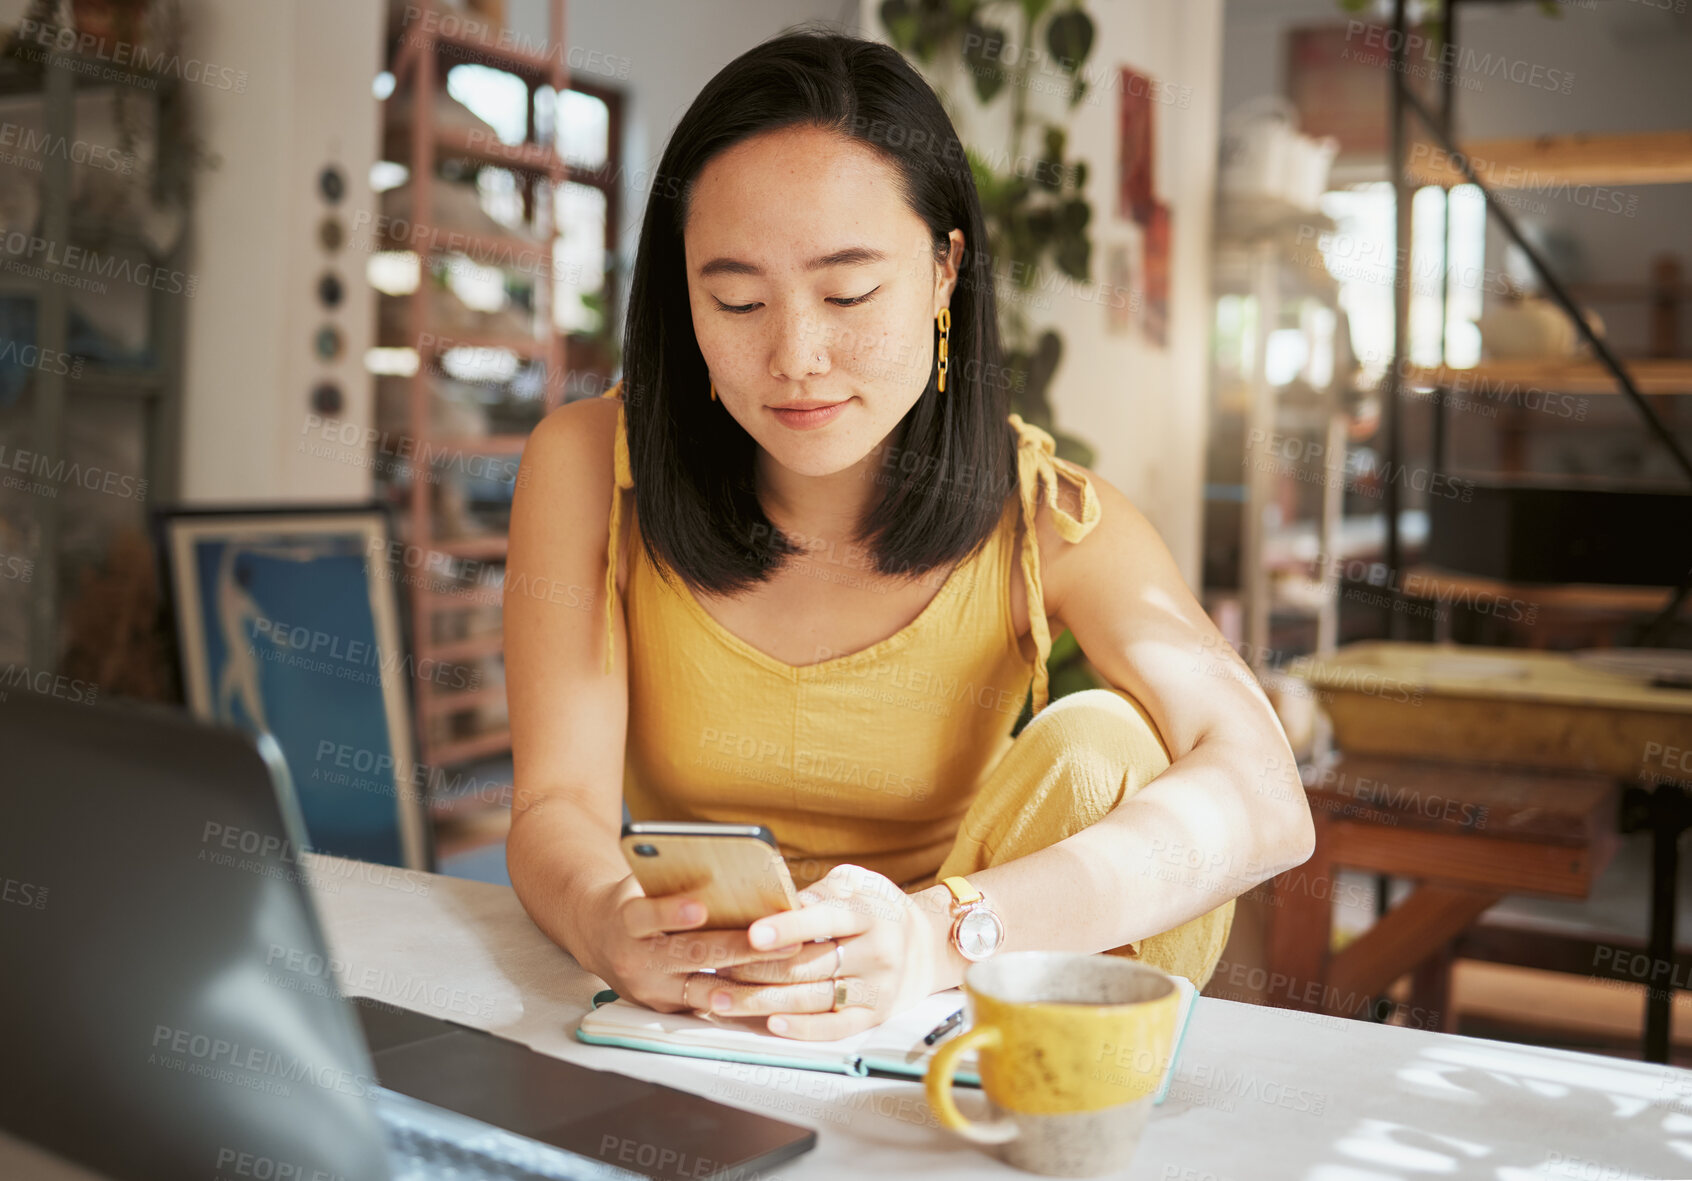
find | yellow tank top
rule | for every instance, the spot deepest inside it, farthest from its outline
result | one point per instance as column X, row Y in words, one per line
column 870, row 758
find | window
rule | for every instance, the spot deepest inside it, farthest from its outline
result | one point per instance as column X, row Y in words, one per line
column 1360, row 255
column 584, row 122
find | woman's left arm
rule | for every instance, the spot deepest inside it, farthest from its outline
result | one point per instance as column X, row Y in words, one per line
column 1229, row 812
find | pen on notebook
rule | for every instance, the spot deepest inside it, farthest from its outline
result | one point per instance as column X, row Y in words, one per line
column 945, row 1027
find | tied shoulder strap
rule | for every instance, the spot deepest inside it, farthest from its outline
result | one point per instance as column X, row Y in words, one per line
column 622, row 479
column 1036, row 461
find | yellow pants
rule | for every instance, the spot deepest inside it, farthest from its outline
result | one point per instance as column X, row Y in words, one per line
column 1077, row 759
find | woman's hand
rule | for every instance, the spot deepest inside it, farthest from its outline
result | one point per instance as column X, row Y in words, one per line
column 888, row 944
column 648, row 950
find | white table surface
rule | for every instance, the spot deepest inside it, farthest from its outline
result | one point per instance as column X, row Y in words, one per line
column 1260, row 1093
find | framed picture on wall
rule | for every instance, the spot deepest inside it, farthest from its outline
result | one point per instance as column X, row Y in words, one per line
column 1136, row 184
column 287, row 624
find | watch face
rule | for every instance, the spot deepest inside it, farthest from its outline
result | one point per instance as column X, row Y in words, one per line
column 979, row 934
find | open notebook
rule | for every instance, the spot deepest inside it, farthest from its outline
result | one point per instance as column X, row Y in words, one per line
column 894, row 1047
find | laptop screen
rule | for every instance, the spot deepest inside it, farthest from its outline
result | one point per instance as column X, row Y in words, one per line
column 150, row 883
column 163, row 1018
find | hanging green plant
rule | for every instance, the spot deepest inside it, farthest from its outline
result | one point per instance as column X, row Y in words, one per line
column 1037, row 215
column 984, row 48
column 1070, row 36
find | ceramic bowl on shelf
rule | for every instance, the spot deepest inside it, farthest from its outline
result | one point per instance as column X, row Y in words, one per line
column 1532, row 329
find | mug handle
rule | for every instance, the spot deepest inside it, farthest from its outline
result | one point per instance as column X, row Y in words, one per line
column 937, row 1083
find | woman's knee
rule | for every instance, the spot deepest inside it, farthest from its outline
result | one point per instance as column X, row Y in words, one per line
column 1068, row 768
column 1109, row 723
column 1089, row 749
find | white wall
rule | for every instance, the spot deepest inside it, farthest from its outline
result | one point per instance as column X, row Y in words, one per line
column 1142, row 408
column 249, row 359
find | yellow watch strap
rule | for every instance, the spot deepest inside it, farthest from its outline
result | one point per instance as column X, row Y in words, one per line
column 961, row 890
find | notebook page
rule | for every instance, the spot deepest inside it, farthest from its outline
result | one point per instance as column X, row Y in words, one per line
column 736, row 1035
column 897, row 1044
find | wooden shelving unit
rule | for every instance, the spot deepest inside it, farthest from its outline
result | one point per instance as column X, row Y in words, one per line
column 1612, row 160
column 422, row 52
column 1256, row 257
column 455, row 143
column 478, row 548
column 1616, row 161
column 1652, row 376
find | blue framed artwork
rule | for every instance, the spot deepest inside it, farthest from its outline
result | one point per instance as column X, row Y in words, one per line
column 287, row 624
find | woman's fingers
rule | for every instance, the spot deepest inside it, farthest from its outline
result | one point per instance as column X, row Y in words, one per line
column 730, row 998
column 813, row 961
column 698, row 951
column 822, row 1027
column 644, row 917
column 832, row 918
column 847, row 901
column 694, row 990
column 855, row 931
column 671, row 922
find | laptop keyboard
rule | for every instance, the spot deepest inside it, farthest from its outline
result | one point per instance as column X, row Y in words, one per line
column 427, row 1142
column 415, row 1154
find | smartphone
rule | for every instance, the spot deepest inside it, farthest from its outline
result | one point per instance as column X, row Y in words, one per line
column 734, row 869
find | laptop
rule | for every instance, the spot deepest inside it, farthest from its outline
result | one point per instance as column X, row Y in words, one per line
column 167, row 1009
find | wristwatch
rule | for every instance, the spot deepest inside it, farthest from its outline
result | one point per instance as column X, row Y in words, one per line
column 977, row 930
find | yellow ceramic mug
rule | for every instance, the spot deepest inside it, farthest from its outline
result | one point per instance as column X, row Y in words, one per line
column 1072, row 1050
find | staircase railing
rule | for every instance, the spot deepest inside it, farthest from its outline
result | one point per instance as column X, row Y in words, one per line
column 1404, row 98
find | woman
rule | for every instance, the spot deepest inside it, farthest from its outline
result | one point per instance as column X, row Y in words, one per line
column 831, row 566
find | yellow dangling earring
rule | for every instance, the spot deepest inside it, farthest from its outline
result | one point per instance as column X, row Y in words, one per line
column 713, row 391
column 945, row 321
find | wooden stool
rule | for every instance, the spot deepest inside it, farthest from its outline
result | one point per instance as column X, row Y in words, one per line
column 1467, row 833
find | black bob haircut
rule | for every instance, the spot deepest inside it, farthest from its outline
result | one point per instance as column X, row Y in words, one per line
column 952, row 461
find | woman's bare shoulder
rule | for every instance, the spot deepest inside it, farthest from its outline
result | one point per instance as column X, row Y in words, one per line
column 579, row 432
column 1122, row 549
column 563, row 499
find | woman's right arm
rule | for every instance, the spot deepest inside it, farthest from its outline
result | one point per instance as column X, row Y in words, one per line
column 569, row 721
column 568, row 718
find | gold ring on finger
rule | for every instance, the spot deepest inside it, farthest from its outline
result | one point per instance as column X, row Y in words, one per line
column 839, row 995
column 687, row 982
